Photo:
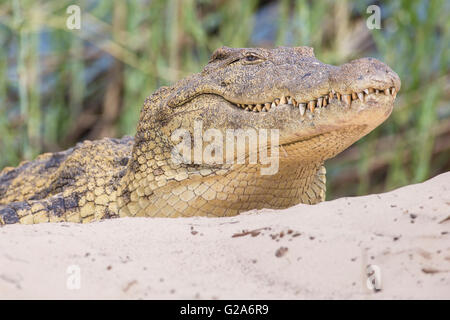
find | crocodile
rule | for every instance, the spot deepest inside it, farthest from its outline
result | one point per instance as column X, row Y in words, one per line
column 317, row 111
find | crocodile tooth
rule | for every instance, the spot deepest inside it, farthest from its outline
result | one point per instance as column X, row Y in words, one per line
column 331, row 95
column 366, row 91
column 273, row 105
column 283, row 100
column 294, row 102
column 302, row 108
column 258, row 107
column 354, row 96
column 325, row 101
column 338, row 95
column 347, row 98
column 361, row 96
column 277, row 101
column 267, row 106
column 394, row 92
column 289, row 100
column 247, row 108
column 377, row 91
column 312, row 105
column 371, row 90
column 319, row 102
column 386, row 91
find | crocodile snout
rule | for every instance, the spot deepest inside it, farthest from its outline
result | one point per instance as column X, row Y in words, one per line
column 364, row 73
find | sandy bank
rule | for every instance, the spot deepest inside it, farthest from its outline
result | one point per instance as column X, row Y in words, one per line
column 302, row 252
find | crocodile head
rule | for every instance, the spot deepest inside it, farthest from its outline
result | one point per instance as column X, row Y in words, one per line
column 318, row 110
column 290, row 90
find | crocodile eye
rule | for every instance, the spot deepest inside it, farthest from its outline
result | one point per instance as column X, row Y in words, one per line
column 248, row 58
column 251, row 58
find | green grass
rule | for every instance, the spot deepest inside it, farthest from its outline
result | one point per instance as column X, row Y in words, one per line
column 51, row 97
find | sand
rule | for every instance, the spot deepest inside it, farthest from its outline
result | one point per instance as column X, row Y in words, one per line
column 304, row 252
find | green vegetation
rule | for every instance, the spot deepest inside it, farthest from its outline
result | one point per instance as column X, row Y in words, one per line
column 60, row 86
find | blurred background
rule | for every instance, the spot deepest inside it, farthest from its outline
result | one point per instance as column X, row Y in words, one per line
column 61, row 86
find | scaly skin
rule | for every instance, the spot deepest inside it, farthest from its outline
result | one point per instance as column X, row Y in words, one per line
column 318, row 109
